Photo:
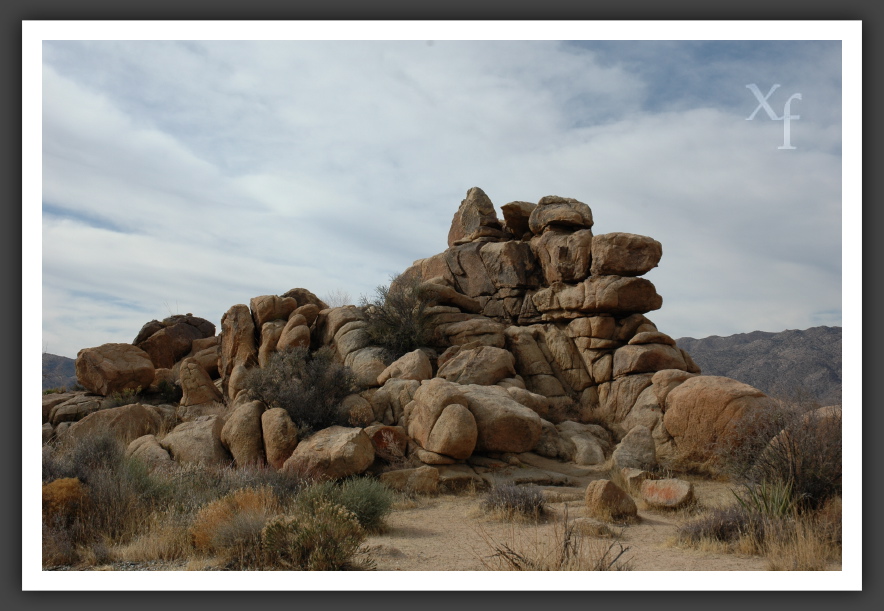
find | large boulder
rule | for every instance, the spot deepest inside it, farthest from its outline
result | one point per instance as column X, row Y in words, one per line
column 516, row 216
column 74, row 408
column 624, row 254
column 296, row 332
column 111, row 368
column 606, row 501
column 483, row 365
column 169, row 341
column 636, row 450
column 703, row 414
column 196, row 384
column 503, row 424
column 198, row 442
column 332, row 453
column 474, row 219
column 645, row 358
column 125, row 423
column 280, row 436
column 270, row 334
column 440, row 421
column 389, row 401
column 415, row 365
column 560, row 212
column 563, row 256
column 242, row 436
column 367, row 364
column 271, row 307
column 148, row 450
column 238, row 346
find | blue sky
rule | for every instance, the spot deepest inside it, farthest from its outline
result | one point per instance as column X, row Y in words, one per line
column 191, row 176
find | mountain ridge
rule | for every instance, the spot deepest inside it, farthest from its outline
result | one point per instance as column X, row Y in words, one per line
column 791, row 364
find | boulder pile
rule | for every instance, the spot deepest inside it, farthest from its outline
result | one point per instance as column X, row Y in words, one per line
column 541, row 344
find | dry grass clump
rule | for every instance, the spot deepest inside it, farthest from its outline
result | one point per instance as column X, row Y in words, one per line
column 797, row 541
column 514, row 503
column 567, row 550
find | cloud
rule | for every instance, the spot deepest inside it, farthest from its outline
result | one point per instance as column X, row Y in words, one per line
column 207, row 173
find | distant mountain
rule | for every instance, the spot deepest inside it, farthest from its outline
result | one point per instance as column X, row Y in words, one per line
column 787, row 364
column 58, row 371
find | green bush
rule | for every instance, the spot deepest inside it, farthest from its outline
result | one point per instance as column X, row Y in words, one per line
column 127, row 396
column 309, row 386
column 368, row 499
column 397, row 318
column 510, row 501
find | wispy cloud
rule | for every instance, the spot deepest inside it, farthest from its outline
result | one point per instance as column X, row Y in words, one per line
column 206, row 173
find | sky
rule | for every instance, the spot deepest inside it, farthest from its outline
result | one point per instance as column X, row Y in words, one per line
column 186, row 168
column 188, row 176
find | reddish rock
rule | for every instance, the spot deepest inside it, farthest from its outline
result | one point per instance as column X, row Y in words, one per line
column 667, row 493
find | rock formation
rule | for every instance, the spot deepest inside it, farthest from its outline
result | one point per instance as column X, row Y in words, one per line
column 541, row 344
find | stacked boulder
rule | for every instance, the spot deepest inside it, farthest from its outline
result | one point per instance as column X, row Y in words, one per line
column 540, row 336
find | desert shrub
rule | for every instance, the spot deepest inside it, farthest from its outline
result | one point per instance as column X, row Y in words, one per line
column 120, row 495
column 397, row 318
column 231, row 525
column 724, row 524
column 309, row 386
column 64, row 500
column 325, row 538
column 54, row 391
column 368, row 499
column 509, row 502
column 789, row 447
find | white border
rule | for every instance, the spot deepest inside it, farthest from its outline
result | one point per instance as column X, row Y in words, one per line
column 849, row 32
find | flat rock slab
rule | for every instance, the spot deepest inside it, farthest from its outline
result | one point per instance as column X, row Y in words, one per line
column 526, row 475
column 554, row 466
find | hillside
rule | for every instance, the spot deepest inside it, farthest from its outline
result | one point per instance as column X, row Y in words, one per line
column 781, row 364
column 58, row 371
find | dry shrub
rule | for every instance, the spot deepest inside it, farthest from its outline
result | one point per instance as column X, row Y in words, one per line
column 567, row 550
column 324, row 539
column 166, row 537
column 397, row 318
column 790, row 445
column 802, row 544
column 516, row 503
column 231, row 525
column 64, row 500
column 309, row 386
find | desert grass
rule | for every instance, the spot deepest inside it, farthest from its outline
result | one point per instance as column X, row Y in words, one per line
column 567, row 549
column 793, row 541
column 513, row 503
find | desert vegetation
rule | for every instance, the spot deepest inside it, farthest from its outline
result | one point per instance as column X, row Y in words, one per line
column 310, row 386
column 397, row 317
column 787, row 495
column 100, row 507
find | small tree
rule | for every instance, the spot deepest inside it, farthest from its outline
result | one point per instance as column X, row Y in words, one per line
column 309, row 386
column 397, row 318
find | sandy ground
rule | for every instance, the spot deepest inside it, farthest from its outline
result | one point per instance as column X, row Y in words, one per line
column 451, row 533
